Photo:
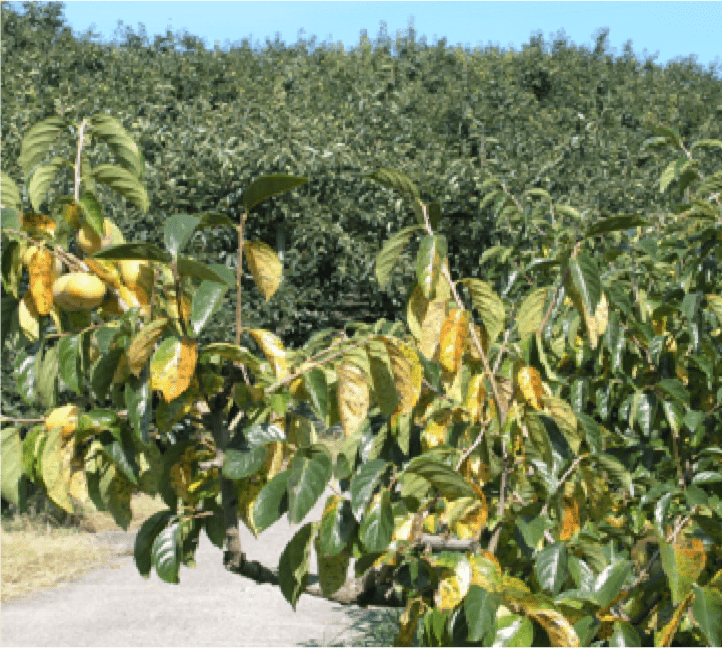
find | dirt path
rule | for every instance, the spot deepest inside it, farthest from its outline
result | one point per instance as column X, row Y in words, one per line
column 114, row 606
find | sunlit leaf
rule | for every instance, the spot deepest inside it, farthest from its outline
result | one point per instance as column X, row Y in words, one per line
column 353, row 397
column 173, row 365
column 273, row 349
column 265, row 267
column 454, row 332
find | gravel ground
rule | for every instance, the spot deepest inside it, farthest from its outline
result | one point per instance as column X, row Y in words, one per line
column 114, row 606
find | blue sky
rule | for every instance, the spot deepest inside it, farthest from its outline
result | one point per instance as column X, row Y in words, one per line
column 674, row 29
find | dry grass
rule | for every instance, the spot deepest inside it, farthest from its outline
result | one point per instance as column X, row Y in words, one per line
column 37, row 553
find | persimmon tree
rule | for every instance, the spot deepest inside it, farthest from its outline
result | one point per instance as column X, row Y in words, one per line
column 533, row 461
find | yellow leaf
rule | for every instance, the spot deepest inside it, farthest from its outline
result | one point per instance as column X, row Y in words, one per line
column 173, row 365
column 29, row 317
column 38, row 224
column 248, row 490
column 273, row 349
column 454, row 331
column 659, row 325
column 486, row 571
column 353, row 397
column 431, row 327
column 265, row 266
column 143, row 345
column 570, row 520
column 407, row 370
column 436, row 431
column 558, row 628
column 601, row 315
column 665, row 637
column 105, row 270
column 41, row 280
column 65, row 417
column 453, row 588
column 483, row 338
column 530, row 384
column 475, row 397
column 475, row 470
column 472, row 518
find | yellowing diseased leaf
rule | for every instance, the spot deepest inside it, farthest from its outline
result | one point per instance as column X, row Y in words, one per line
column 659, row 325
column 530, row 384
column 601, row 315
column 483, row 338
column 78, row 487
column 353, row 397
column 467, row 516
column 569, row 523
column 274, row 459
column 173, row 365
column 143, row 344
column 29, row 317
column 415, row 312
column 558, row 628
column 248, row 490
column 38, row 224
column 273, row 349
column 475, row 470
column 486, row 571
column 453, row 588
column 454, row 331
column 666, row 635
column 41, row 280
column 436, row 431
column 407, row 371
column 66, row 417
column 431, row 325
column 265, row 266
column 475, row 397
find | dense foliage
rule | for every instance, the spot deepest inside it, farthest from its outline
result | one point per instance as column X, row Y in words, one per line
column 531, row 451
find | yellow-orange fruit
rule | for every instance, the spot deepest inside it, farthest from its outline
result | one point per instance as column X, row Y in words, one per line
column 89, row 241
column 78, row 291
column 136, row 274
column 65, row 417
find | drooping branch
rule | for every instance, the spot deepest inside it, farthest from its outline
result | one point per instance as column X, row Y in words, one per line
column 373, row 588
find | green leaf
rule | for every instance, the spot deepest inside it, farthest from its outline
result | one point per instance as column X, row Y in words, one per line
column 102, row 372
column 69, row 361
column 531, row 312
column 215, row 219
column 314, row 383
column 615, row 224
column 450, row 483
column 310, row 471
column 234, row 353
column 363, row 484
column 514, row 631
column 124, row 182
column 294, row 563
column 267, row 186
column 10, row 196
column 145, row 538
column 165, row 553
column 489, row 305
column 41, row 179
column 37, row 141
column 13, row 483
column 111, row 131
column 139, row 401
column 272, row 502
column 585, row 278
column 391, row 251
column 674, row 388
column 92, row 211
column 382, row 377
column 47, row 378
column 552, row 567
column 707, row 610
column 377, row 526
column 177, row 230
column 25, row 374
column 394, row 179
column 610, row 582
column 259, row 435
column 197, row 270
column 615, row 468
column 337, row 526
column 207, row 301
column 118, row 446
column 625, row 634
column 480, row 609
column 706, row 143
column 242, row 460
column 132, row 251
